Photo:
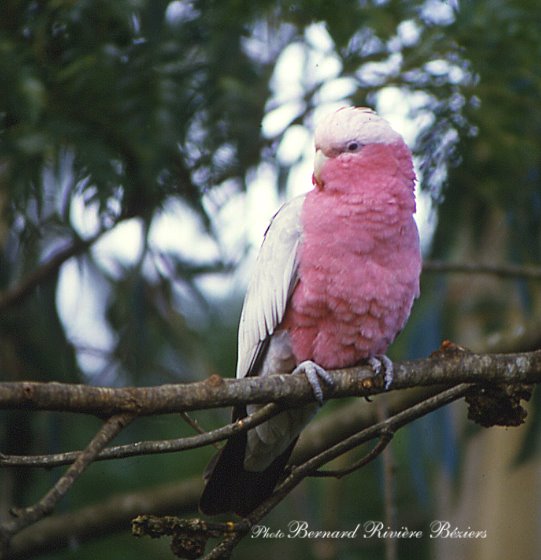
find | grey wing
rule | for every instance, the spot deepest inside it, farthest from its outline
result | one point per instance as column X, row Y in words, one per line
column 271, row 285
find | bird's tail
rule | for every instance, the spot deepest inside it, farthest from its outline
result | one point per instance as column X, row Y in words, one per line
column 231, row 488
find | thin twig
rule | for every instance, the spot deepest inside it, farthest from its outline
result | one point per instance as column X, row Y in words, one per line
column 384, row 440
column 224, row 548
column 105, row 518
column 146, row 447
column 390, row 425
column 189, row 535
column 193, row 423
column 24, row 288
column 26, row 516
column 109, row 516
column 504, row 270
column 389, row 487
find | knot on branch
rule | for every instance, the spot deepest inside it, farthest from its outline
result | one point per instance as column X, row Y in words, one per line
column 498, row 404
column 449, row 349
column 189, row 536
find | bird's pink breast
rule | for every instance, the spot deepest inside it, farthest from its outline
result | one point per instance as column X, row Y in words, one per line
column 359, row 260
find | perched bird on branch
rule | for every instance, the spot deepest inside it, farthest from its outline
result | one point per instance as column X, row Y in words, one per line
column 333, row 285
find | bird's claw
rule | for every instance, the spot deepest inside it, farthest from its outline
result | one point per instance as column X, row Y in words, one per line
column 314, row 373
column 379, row 363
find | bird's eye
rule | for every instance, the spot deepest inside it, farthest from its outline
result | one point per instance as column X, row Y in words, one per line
column 353, row 146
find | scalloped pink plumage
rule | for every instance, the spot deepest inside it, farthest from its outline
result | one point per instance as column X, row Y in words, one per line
column 334, row 284
column 359, row 260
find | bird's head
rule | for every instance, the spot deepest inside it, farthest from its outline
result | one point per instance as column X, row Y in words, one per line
column 345, row 133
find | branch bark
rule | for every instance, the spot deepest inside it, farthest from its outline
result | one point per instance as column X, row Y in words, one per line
column 147, row 447
column 114, row 515
column 27, row 516
column 108, row 517
column 443, row 368
column 224, row 548
column 451, row 366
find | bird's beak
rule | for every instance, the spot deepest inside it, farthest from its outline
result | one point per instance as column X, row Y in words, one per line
column 319, row 162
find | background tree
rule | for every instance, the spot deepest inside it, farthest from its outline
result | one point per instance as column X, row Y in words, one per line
column 118, row 117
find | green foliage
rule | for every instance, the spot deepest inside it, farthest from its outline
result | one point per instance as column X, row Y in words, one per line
column 500, row 160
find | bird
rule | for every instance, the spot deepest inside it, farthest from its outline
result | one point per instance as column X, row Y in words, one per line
column 333, row 285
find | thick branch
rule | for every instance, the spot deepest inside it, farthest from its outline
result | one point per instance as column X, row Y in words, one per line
column 113, row 515
column 444, row 368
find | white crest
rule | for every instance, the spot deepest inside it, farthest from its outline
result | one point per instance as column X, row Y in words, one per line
column 348, row 124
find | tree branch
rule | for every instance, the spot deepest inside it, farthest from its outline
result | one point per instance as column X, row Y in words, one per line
column 447, row 367
column 147, row 447
column 113, row 515
column 103, row 519
column 19, row 292
column 384, row 439
column 224, row 548
column 26, row 516
column 503, row 270
column 450, row 366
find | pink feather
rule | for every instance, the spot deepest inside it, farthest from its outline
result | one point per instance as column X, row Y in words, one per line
column 334, row 284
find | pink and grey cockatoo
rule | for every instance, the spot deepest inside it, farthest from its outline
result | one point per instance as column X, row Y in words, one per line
column 333, row 285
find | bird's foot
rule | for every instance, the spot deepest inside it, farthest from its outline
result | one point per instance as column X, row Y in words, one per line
column 382, row 364
column 314, row 373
